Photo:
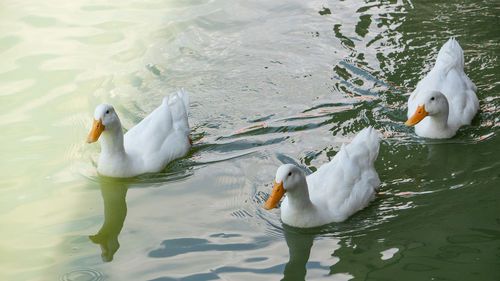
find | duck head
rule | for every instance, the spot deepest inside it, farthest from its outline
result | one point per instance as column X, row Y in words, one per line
column 105, row 118
column 288, row 178
column 431, row 103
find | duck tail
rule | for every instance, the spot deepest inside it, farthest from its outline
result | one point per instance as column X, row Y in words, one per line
column 178, row 105
column 184, row 95
column 450, row 56
column 366, row 142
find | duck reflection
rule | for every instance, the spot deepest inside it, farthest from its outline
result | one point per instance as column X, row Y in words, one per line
column 115, row 210
column 299, row 248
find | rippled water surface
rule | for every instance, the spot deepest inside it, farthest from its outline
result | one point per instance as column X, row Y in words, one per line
column 271, row 82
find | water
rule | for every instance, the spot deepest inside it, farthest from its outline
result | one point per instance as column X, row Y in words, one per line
column 271, row 83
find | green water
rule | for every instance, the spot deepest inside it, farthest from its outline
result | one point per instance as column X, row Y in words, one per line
column 270, row 83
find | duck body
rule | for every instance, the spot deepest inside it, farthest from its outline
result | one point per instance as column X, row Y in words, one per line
column 149, row 146
column 448, row 78
column 335, row 191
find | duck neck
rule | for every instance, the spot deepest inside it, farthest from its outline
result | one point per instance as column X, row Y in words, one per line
column 440, row 120
column 112, row 141
column 299, row 196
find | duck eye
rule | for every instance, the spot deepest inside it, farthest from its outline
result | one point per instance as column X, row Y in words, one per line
column 433, row 98
column 107, row 111
column 289, row 174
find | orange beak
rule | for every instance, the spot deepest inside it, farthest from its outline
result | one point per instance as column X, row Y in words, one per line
column 417, row 117
column 274, row 199
column 96, row 131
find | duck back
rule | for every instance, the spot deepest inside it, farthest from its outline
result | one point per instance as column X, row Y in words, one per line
column 349, row 182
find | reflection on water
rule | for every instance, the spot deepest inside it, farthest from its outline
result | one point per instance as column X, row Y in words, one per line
column 174, row 247
column 115, row 210
column 299, row 248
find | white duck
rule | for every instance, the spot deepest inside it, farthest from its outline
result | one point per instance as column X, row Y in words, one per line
column 335, row 191
column 149, row 146
column 445, row 99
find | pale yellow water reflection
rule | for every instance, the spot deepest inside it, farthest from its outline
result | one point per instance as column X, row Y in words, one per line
column 114, row 194
column 57, row 59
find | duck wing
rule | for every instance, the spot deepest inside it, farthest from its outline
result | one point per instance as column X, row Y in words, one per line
column 456, row 85
column 157, row 137
column 348, row 182
column 149, row 134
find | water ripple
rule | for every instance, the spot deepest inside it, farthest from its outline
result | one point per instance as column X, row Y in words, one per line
column 83, row 275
